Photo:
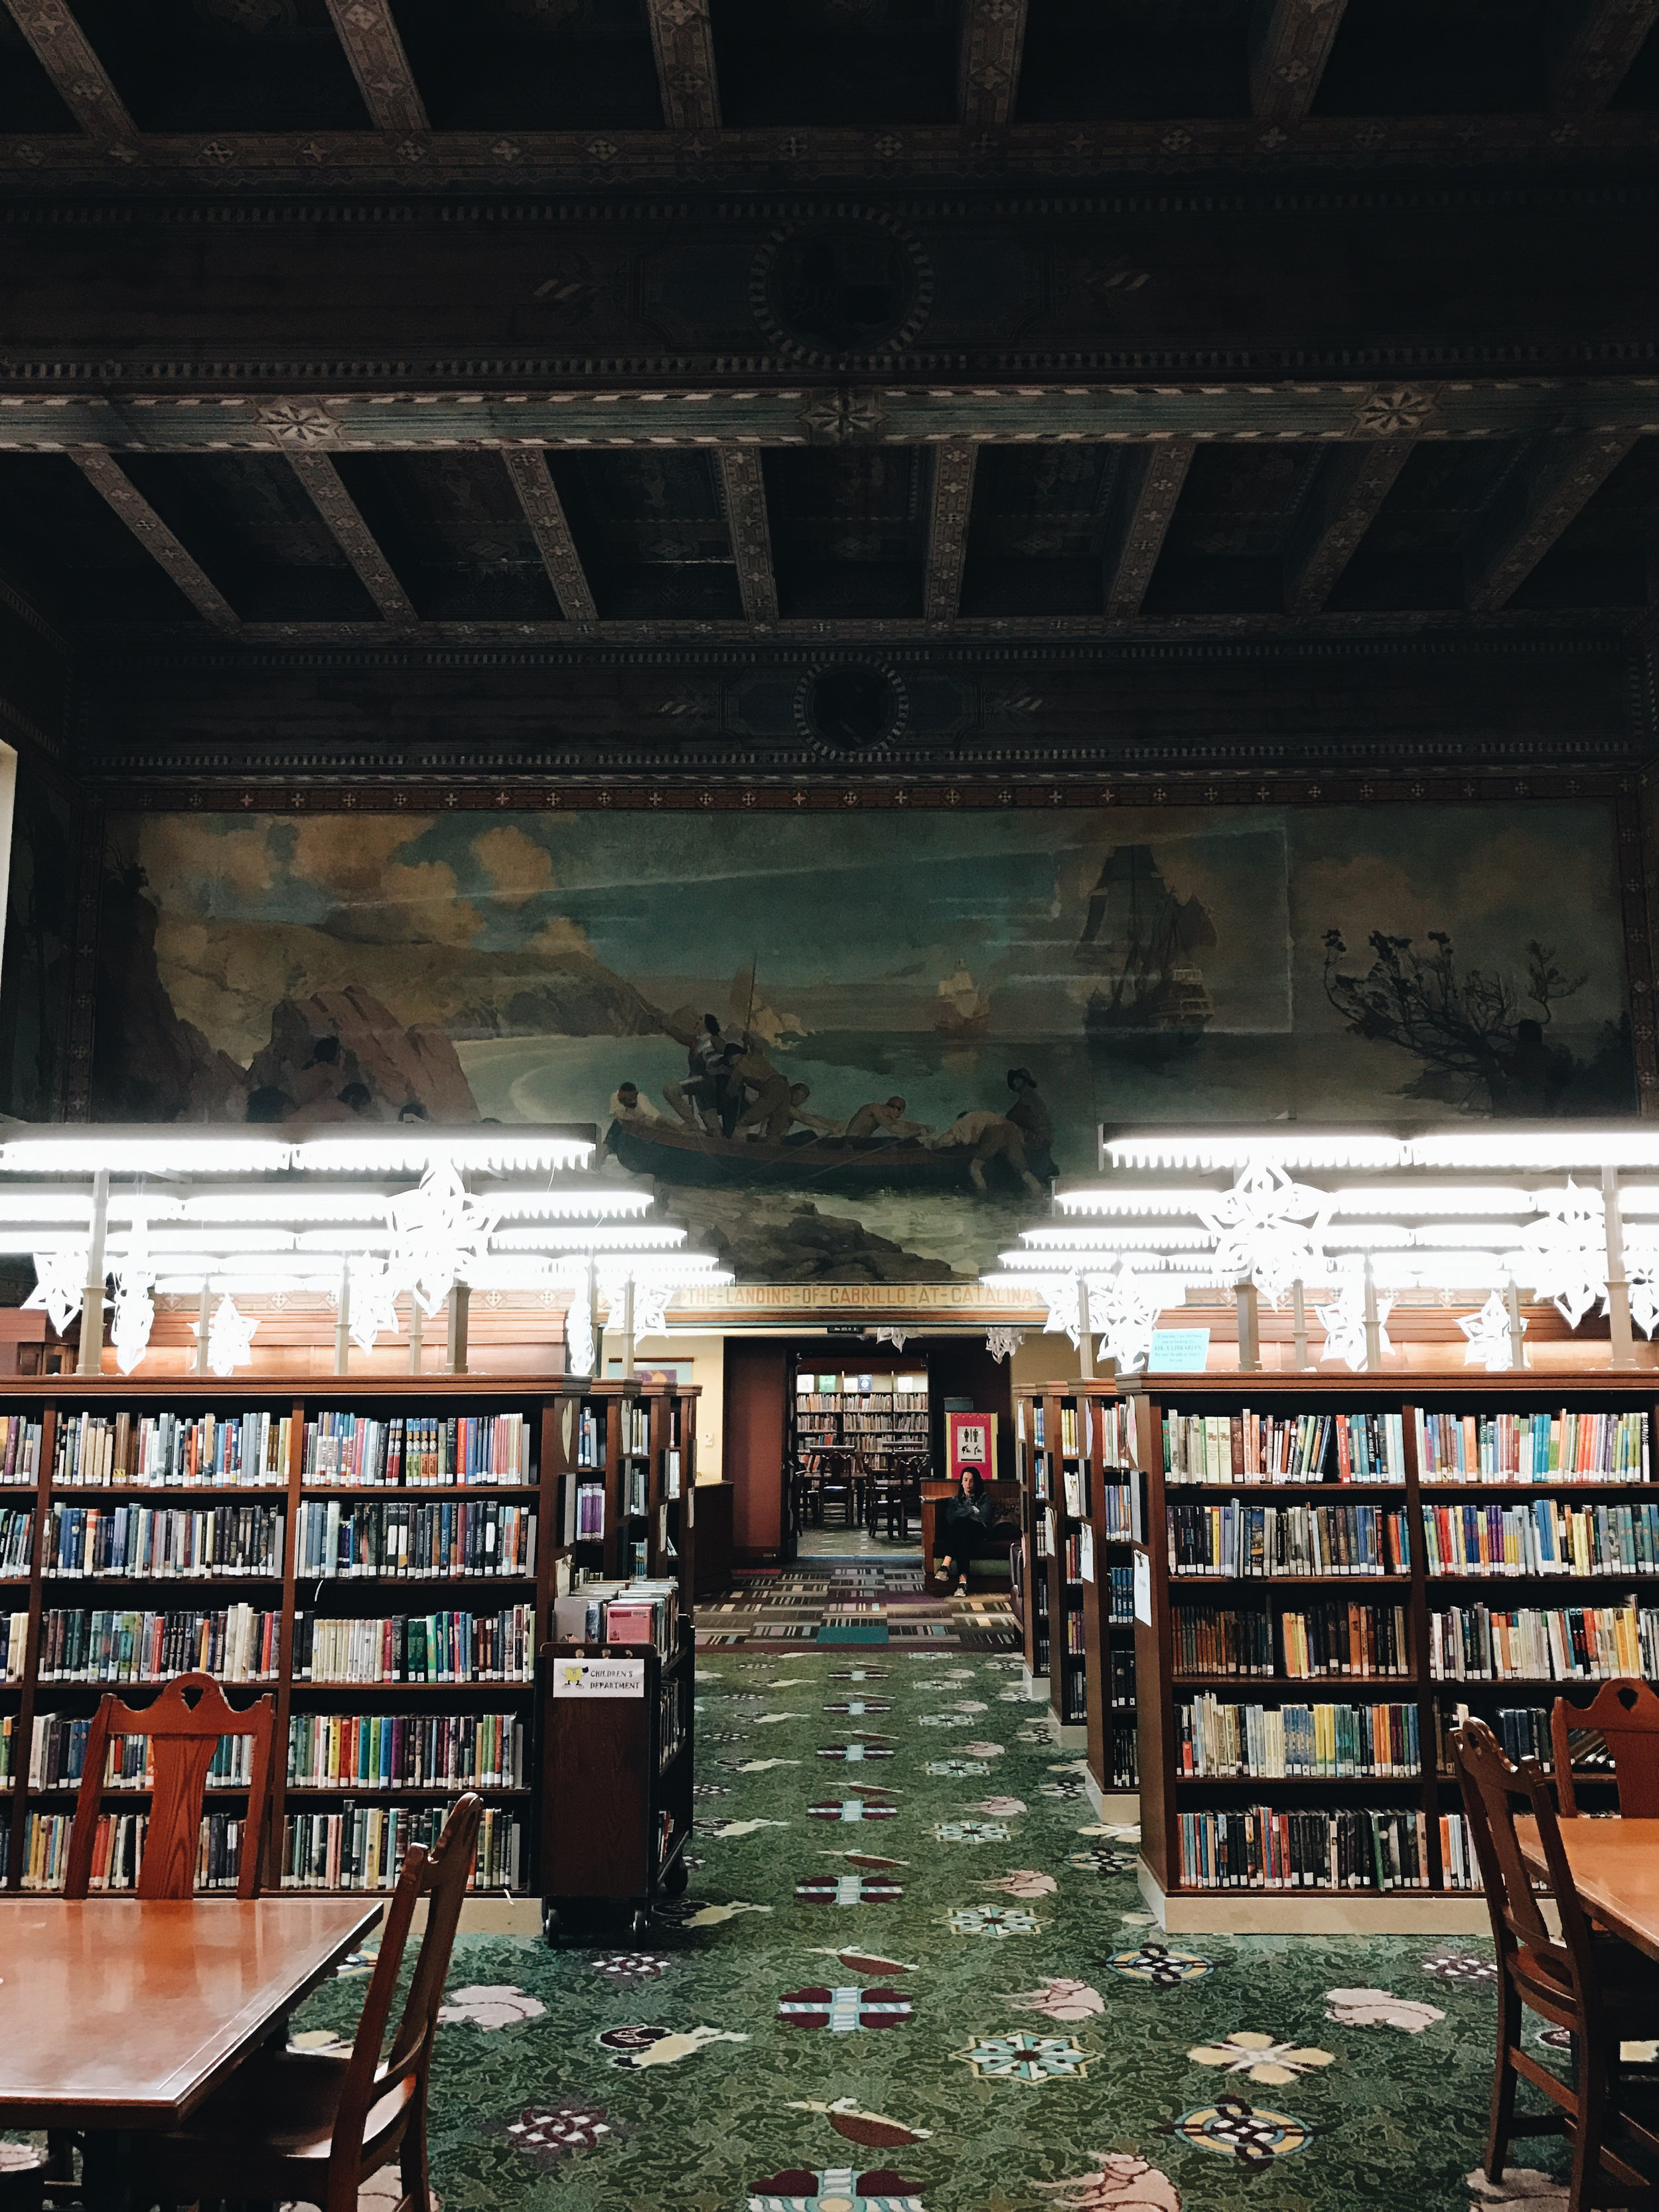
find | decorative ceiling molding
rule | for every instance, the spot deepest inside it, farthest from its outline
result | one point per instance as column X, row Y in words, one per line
column 1291, row 42
column 683, row 40
column 988, row 76
column 1149, row 506
column 106, row 477
column 594, row 161
column 1353, row 482
column 744, row 493
column 81, row 81
column 545, row 512
column 352, row 534
column 1603, row 38
column 894, row 414
column 948, row 514
column 367, row 30
column 1569, row 473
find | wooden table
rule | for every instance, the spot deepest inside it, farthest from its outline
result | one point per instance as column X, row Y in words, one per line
column 1615, row 1870
column 118, row 2015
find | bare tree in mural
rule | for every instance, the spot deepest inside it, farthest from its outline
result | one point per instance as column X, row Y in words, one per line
column 1477, row 1043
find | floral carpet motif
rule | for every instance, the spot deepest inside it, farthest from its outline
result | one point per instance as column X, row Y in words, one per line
column 993, row 2028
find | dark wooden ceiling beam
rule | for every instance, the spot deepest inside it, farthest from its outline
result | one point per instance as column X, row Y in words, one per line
column 745, row 491
column 352, row 535
column 1564, row 476
column 1602, row 39
column 1145, row 508
column 683, row 40
column 106, row 475
column 948, row 512
column 1351, row 485
column 1291, row 42
column 987, row 77
column 82, row 82
column 545, row 512
column 367, row 31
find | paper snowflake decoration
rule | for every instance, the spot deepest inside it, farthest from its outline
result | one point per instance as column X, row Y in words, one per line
column 230, row 1337
column 651, row 1308
column 580, row 1349
column 60, row 1286
column 1643, row 1277
column 1490, row 1345
column 1125, row 1311
column 1003, row 1343
column 374, row 1304
column 1064, row 1318
column 1344, row 1317
column 439, row 1231
column 1563, row 1256
column 898, row 1338
column 1269, row 1231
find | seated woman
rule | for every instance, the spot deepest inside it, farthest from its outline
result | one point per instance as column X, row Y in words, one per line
column 969, row 1528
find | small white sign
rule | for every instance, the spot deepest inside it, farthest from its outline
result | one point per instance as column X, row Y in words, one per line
column 598, row 1678
column 1143, row 1566
column 1086, row 1553
column 1179, row 1351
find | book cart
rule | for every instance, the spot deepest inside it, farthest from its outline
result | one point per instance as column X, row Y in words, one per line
column 1081, row 1496
column 1415, row 1567
column 379, row 1555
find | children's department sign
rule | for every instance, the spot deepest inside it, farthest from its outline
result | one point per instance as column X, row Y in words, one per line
column 598, row 1678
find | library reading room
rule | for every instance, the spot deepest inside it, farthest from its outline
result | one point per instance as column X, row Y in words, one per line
column 571, row 1335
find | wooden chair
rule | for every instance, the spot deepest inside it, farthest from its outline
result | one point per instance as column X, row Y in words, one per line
column 1595, row 1986
column 1626, row 1711
column 313, row 2126
column 184, row 1736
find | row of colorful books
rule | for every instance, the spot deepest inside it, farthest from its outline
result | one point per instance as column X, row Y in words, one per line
column 407, row 1537
column 1542, row 1536
column 1246, row 1447
column 1335, row 1636
column 235, row 1642
column 636, row 1612
column 1214, row 1739
column 433, row 1647
column 1570, row 1643
column 1237, row 1539
column 239, row 1450
column 1260, row 1847
column 141, row 1543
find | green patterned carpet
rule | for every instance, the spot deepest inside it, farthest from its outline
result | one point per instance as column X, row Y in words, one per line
column 989, row 2025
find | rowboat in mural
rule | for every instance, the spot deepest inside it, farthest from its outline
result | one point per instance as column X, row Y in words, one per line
column 846, row 1164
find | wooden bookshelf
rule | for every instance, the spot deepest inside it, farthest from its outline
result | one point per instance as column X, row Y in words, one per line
column 1428, row 1794
column 1074, row 1429
column 551, row 1413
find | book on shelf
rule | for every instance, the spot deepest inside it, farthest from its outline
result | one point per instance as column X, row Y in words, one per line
column 406, row 1751
column 17, row 1541
column 362, row 1847
column 1216, row 1740
column 433, row 1647
column 637, row 1430
column 1258, row 1847
column 590, row 1513
column 117, row 1846
column 564, row 1574
column 20, row 1440
column 1237, row 1540
column 1539, row 1447
column 1118, row 1511
column 1568, row 1643
column 636, row 1489
column 1335, row 1637
column 636, row 1612
column 97, row 1450
column 145, row 1541
column 58, row 1751
column 1073, row 1428
column 671, row 1472
column 1123, row 1597
column 1119, row 1435
column 642, row 1558
column 237, row 1644
column 1542, row 1536
column 589, row 1436
column 409, row 1538
column 1250, row 1447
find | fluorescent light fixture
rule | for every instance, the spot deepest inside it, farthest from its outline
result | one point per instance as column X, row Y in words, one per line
column 1288, row 1145
column 1125, row 1197
column 569, row 1202
column 201, row 1150
column 1553, row 1148
column 1063, row 1242
column 1366, row 1235
column 598, row 1240
column 1409, row 1198
column 67, row 1208
column 285, row 1202
column 408, row 1147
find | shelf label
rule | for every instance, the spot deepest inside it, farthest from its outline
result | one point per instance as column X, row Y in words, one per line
column 598, row 1678
column 1143, row 1578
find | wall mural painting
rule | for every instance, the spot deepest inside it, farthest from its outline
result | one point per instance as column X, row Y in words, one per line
column 857, row 1049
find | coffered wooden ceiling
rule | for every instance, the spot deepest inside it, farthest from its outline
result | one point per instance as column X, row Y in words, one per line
column 918, row 326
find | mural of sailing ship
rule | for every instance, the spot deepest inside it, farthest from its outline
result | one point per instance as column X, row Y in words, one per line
column 1139, row 939
column 964, row 1009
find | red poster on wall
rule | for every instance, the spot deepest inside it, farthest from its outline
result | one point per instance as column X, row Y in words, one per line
column 970, row 1440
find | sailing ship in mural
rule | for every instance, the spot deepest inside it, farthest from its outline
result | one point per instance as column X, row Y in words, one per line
column 1139, row 938
column 964, row 1009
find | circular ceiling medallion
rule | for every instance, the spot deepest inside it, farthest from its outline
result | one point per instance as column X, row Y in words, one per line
column 851, row 707
column 846, row 287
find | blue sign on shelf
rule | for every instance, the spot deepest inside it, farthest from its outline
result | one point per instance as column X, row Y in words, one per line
column 1179, row 1350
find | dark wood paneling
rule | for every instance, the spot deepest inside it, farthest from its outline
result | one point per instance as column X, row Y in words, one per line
column 756, row 1385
